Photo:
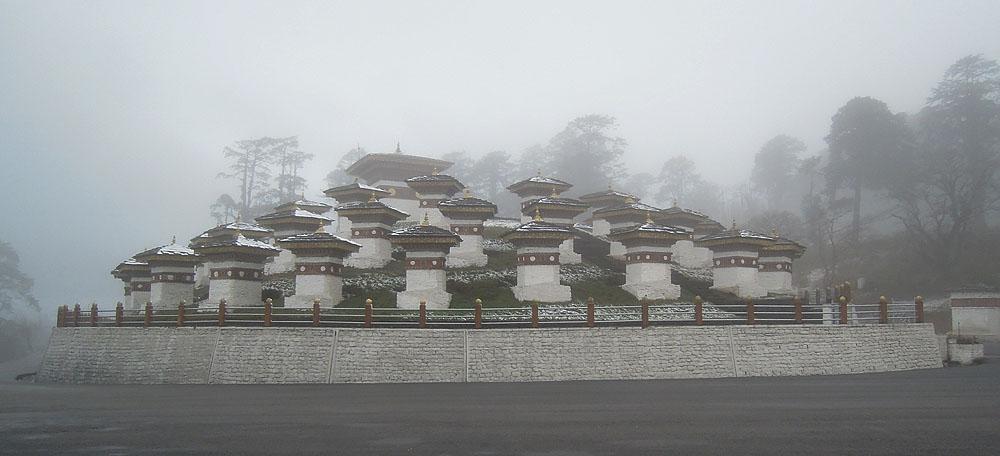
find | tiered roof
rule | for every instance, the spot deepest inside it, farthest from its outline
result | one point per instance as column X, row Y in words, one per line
column 354, row 192
column 250, row 230
column 293, row 217
column 170, row 252
column 538, row 230
column 651, row 232
column 371, row 209
column 397, row 165
column 315, row 207
column 466, row 207
column 130, row 268
column 424, row 235
column 539, row 185
column 607, row 198
column 238, row 245
column 319, row 242
column 784, row 247
column 435, row 183
column 735, row 237
column 629, row 209
column 555, row 207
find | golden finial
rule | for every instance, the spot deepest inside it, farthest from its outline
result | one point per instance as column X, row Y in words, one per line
column 539, row 172
column 238, row 217
column 321, row 229
column 466, row 192
column 774, row 232
column 398, row 150
column 173, row 240
column 649, row 218
column 675, row 202
column 425, row 221
column 434, row 172
column 372, row 198
column 555, row 193
column 629, row 200
column 538, row 215
column 355, row 179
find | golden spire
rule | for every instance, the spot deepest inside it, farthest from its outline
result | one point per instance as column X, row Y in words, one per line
column 321, row 229
column 434, row 172
column 425, row 221
column 355, row 179
column 774, row 232
column 398, row 150
column 649, row 218
column 539, row 171
column 675, row 202
column 629, row 200
column 538, row 215
column 466, row 192
column 173, row 240
column 555, row 193
column 237, row 217
column 372, row 198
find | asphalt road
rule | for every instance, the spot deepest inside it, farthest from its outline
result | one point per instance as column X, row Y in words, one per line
column 938, row 411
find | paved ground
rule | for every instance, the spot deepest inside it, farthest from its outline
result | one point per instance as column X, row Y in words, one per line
column 953, row 410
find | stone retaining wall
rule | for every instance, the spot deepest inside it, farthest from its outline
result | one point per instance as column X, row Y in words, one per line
column 308, row 355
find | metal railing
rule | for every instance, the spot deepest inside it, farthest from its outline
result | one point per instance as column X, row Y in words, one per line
column 643, row 315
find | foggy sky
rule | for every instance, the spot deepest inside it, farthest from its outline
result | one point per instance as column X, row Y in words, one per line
column 113, row 115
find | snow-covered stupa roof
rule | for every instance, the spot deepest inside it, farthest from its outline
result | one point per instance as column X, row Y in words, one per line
column 735, row 237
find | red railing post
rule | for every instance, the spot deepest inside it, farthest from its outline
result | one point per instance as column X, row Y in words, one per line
column 180, row 312
column 699, row 311
column 478, row 314
column 919, row 309
column 93, row 314
column 645, row 313
column 61, row 316
column 590, row 312
column 534, row 314
column 222, row 312
column 843, row 310
column 76, row 314
column 883, row 310
column 797, row 302
column 119, row 314
column 368, row 313
column 316, row 312
column 148, row 320
column 750, row 312
column 267, row 311
column 423, row 314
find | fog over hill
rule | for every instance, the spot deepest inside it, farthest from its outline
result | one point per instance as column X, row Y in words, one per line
column 115, row 114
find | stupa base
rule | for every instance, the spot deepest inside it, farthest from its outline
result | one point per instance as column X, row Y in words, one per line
column 653, row 290
column 367, row 262
column 543, row 293
column 743, row 291
column 466, row 261
column 435, row 299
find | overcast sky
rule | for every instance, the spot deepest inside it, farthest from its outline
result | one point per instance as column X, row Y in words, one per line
column 113, row 115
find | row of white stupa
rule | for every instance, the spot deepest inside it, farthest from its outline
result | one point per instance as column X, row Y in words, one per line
column 232, row 259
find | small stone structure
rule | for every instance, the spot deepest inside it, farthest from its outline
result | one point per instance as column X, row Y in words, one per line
column 288, row 220
column 601, row 200
column 465, row 218
column 352, row 193
column 319, row 262
column 559, row 211
column 136, row 277
column 390, row 171
column 537, row 244
column 536, row 187
column 626, row 215
column 426, row 247
column 685, row 253
column 775, row 265
column 235, row 267
column 431, row 190
column 975, row 311
column 647, row 259
column 222, row 233
column 734, row 264
column 371, row 222
column 172, row 270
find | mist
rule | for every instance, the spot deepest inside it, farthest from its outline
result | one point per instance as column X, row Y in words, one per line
column 115, row 114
